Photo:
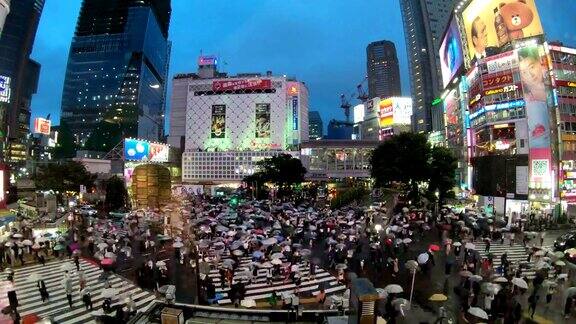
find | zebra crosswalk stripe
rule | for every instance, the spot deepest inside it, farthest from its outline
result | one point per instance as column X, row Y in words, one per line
column 260, row 289
column 57, row 306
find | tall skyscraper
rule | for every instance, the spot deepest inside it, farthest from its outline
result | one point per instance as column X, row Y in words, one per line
column 383, row 70
column 424, row 23
column 315, row 125
column 117, row 72
column 18, row 77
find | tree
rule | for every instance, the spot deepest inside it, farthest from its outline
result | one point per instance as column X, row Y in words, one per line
column 63, row 177
column 282, row 170
column 403, row 158
column 443, row 165
column 116, row 194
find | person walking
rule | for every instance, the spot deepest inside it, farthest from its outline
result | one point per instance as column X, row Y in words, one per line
column 67, row 284
column 533, row 301
column 43, row 291
column 77, row 262
column 86, row 298
column 81, row 279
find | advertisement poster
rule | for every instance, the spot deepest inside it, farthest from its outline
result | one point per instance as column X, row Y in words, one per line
column 451, row 53
column 491, row 24
column 4, row 89
column 136, row 150
column 262, row 121
column 535, row 86
column 42, row 126
column 218, row 129
column 453, row 117
column 386, row 113
column 295, row 113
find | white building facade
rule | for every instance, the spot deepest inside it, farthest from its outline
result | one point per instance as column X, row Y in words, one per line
column 232, row 123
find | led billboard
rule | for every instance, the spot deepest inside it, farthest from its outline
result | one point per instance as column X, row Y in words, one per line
column 451, row 53
column 492, row 24
column 248, row 84
column 42, row 126
column 5, row 89
column 139, row 150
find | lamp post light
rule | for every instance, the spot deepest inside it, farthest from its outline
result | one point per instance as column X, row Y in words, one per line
column 437, row 194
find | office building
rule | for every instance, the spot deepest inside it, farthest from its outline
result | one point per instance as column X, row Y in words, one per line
column 117, row 71
column 424, row 23
column 18, row 77
column 316, row 127
column 383, row 70
column 340, row 130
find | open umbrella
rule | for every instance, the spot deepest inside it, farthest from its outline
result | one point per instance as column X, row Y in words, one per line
column 407, row 240
column 434, row 248
column 36, row 246
column 102, row 245
column 277, row 255
column 238, row 252
column 470, row 246
column 520, row 283
column 107, row 262
column 478, row 312
column 438, row 298
column 560, row 263
column 475, row 278
column 393, row 289
column 58, row 247
column 109, row 255
column 34, row 277
column 160, row 264
column 257, row 254
column 178, row 244
column 457, row 244
column 500, row 279
column 465, row 273
column 341, row 266
column 27, row 242
column 109, row 293
column 276, row 261
column 17, row 235
column 411, row 265
column 423, row 258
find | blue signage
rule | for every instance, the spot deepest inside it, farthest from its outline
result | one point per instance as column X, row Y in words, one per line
column 136, row 150
column 295, row 113
column 500, row 106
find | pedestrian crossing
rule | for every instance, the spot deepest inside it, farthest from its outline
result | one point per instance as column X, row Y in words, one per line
column 259, row 289
column 57, row 307
column 516, row 253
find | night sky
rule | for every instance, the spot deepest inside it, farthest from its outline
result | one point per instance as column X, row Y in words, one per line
column 320, row 42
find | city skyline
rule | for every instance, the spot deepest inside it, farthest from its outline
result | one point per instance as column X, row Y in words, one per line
column 245, row 41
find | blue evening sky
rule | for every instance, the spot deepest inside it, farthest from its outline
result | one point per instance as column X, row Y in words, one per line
column 321, row 42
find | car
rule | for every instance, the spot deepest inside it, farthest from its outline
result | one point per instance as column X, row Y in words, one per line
column 565, row 241
column 87, row 211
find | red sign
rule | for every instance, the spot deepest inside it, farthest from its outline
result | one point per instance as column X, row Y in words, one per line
column 496, row 81
column 42, row 126
column 249, row 84
column 562, row 83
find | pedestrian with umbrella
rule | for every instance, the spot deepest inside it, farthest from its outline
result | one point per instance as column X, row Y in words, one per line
column 86, row 297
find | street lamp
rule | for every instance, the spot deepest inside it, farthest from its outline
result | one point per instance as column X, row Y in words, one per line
column 437, row 194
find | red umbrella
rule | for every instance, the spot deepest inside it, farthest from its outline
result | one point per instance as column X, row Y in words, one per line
column 30, row 319
column 434, row 248
column 107, row 261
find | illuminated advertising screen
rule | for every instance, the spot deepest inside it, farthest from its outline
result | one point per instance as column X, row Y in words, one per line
column 453, row 117
column 144, row 151
column 5, row 89
column 492, row 24
column 358, row 113
column 451, row 53
column 502, row 62
column 262, row 120
column 42, row 126
column 402, row 108
column 248, row 84
column 386, row 113
column 207, row 60
column 535, row 84
column 218, row 128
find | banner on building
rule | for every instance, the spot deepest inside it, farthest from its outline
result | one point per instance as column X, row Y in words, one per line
column 246, row 84
column 262, row 120
column 218, row 128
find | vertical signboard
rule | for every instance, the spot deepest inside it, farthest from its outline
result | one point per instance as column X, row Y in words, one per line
column 42, row 126
column 262, row 120
column 295, row 113
column 4, row 89
column 218, row 128
column 536, row 90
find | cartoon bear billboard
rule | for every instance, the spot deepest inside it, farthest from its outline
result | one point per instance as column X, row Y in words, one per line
column 492, row 24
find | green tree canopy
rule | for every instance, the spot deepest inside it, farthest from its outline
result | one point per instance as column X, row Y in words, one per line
column 67, row 176
column 116, row 194
column 282, row 170
column 407, row 158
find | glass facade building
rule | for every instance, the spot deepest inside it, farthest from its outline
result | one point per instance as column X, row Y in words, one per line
column 117, row 71
column 18, row 77
column 383, row 70
column 315, row 125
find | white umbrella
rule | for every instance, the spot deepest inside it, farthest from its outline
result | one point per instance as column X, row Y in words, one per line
column 18, row 235
column 423, row 258
column 478, row 312
column 41, row 239
column 470, row 246
column 9, row 244
column 501, row 279
column 34, row 277
column 341, row 266
column 407, row 240
column 457, row 244
column 276, row 261
column 475, row 278
column 519, row 282
column 109, row 293
column 178, row 244
column 160, row 264
column 178, row 239
column 393, row 289
column 102, row 245
column 27, row 242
